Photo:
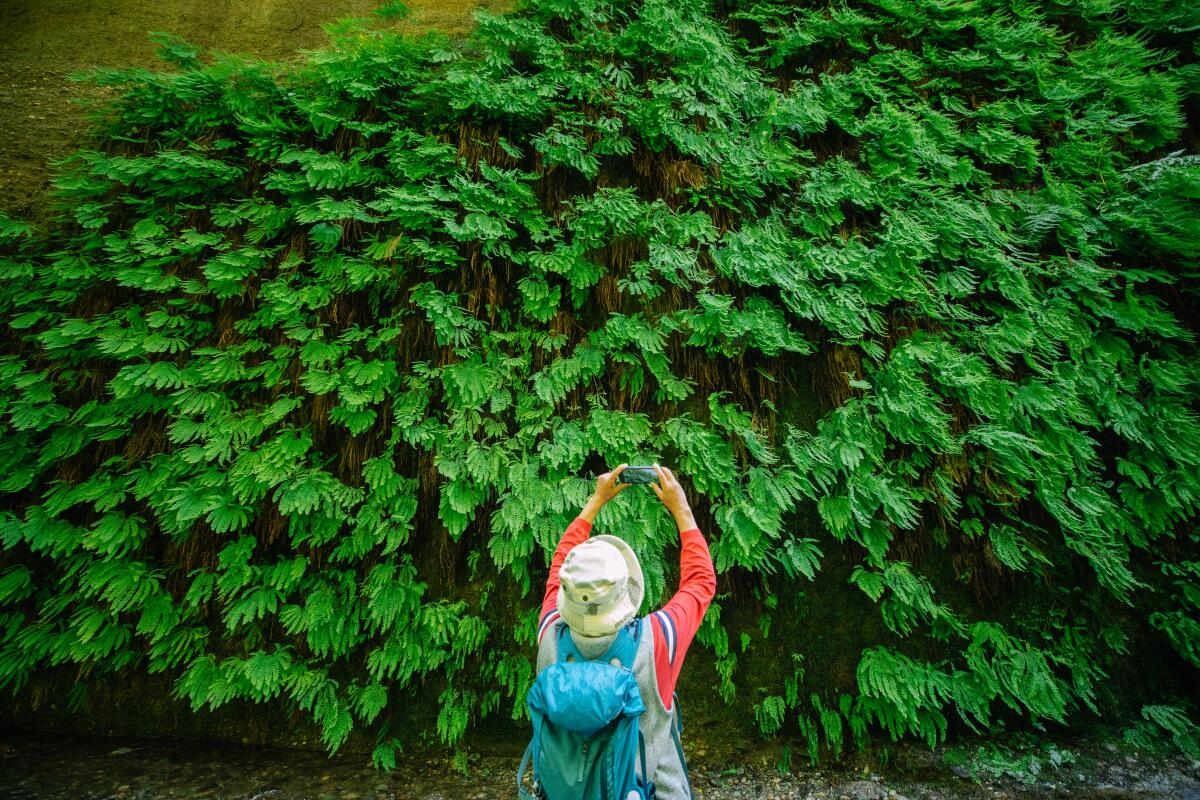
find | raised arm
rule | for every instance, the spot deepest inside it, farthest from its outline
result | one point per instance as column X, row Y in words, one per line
column 676, row 623
column 577, row 532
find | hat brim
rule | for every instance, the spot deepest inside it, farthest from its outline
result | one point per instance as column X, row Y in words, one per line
column 621, row 612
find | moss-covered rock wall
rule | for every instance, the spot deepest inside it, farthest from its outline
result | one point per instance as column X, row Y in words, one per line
column 312, row 368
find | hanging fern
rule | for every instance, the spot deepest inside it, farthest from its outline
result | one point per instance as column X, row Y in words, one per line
column 916, row 324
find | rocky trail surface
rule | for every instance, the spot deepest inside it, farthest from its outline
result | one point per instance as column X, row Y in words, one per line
column 56, row 767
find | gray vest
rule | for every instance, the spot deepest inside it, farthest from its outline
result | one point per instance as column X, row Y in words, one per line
column 663, row 759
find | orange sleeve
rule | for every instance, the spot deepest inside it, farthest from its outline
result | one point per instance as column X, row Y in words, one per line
column 577, row 533
column 676, row 623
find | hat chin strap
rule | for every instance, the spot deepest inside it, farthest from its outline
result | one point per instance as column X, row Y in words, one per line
column 602, row 636
column 597, row 636
column 615, row 628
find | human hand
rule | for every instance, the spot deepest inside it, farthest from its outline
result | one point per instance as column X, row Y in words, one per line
column 671, row 494
column 607, row 487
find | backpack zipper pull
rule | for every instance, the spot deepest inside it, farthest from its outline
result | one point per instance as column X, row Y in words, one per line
column 582, row 761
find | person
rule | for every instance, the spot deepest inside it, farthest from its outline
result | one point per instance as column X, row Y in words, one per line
column 596, row 586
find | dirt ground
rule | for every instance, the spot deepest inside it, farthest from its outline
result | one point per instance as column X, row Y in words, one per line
column 45, row 767
column 44, row 41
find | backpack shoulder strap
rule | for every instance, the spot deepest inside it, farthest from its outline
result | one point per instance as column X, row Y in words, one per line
column 625, row 645
column 522, row 793
column 623, row 648
column 676, row 729
column 565, row 646
column 642, row 749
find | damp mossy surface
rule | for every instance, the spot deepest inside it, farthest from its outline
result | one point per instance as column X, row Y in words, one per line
column 313, row 364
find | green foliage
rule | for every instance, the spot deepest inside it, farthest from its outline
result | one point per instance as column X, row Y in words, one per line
column 1164, row 723
column 303, row 383
column 1023, row 758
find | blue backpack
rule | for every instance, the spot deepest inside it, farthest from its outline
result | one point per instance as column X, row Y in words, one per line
column 586, row 736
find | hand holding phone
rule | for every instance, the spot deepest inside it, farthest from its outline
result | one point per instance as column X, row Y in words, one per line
column 608, row 486
column 673, row 497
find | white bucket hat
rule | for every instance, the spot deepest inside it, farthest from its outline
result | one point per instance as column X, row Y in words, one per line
column 601, row 586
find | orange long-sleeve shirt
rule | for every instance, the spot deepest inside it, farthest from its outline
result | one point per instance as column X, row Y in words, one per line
column 675, row 623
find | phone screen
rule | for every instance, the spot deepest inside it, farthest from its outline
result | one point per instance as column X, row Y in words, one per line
column 638, row 475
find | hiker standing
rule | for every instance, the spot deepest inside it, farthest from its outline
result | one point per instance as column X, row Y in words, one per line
column 595, row 588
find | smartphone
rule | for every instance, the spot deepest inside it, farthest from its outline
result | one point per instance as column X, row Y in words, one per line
column 632, row 474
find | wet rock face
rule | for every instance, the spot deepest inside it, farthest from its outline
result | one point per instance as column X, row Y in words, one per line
column 278, row 27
